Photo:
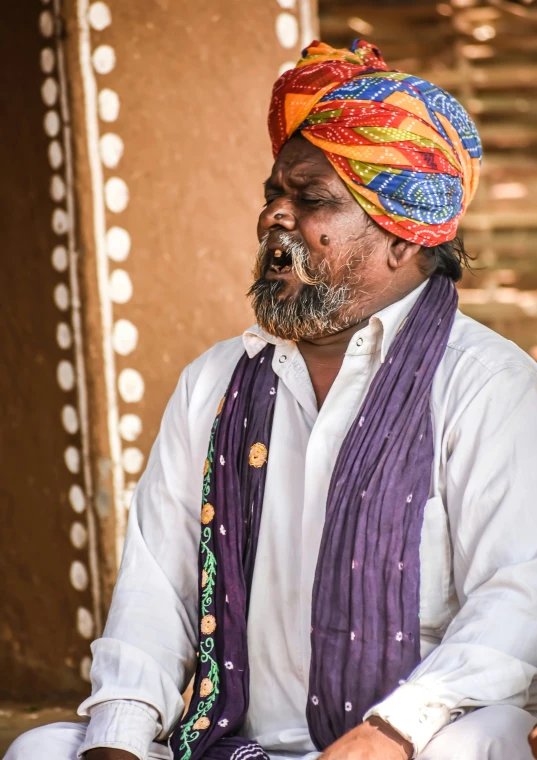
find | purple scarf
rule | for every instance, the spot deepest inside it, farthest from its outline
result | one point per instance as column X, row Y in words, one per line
column 365, row 611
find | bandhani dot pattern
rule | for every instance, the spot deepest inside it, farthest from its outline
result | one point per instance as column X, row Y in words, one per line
column 406, row 149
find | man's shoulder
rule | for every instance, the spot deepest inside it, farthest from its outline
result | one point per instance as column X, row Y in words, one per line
column 483, row 351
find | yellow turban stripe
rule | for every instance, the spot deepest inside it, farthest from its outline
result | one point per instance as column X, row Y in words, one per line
column 407, row 150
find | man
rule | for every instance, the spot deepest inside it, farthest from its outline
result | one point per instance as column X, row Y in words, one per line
column 364, row 580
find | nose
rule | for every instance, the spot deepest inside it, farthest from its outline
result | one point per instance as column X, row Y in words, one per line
column 276, row 214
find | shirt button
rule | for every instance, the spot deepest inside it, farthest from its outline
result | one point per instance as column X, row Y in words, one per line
column 359, row 341
column 282, row 358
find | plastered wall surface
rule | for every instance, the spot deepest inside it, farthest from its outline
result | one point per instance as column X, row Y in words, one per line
column 148, row 177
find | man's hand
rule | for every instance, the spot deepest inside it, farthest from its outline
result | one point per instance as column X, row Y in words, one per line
column 372, row 740
column 108, row 753
column 532, row 738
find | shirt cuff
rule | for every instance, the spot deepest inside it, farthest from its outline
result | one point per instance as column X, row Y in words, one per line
column 122, row 724
column 415, row 712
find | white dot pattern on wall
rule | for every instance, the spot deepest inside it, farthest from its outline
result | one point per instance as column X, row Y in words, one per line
column 118, row 243
column 132, row 460
column 61, row 296
column 57, row 188
column 131, row 386
column 71, row 458
column 47, row 60
column 124, row 337
column 78, row 575
column 104, row 59
column 108, row 104
column 65, row 375
column 64, row 337
column 49, row 91
column 70, row 419
column 55, row 154
column 128, row 493
column 51, row 123
column 46, row 23
column 130, row 427
column 78, row 535
column 287, row 4
column 84, row 623
column 77, row 499
column 287, row 30
column 111, row 147
column 120, row 286
column 99, row 16
column 116, row 195
column 60, row 221
column 85, row 668
column 59, row 258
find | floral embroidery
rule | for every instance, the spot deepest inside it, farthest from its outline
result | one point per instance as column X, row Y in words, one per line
column 207, row 696
column 258, row 455
column 222, row 530
column 229, row 665
column 221, row 406
column 315, row 700
column 353, row 635
column 208, row 625
column 272, row 391
column 348, row 706
column 361, row 421
column 399, row 636
column 222, row 460
column 207, row 513
column 409, row 498
column 401, row 566
column 223, row 722
column 206, row 687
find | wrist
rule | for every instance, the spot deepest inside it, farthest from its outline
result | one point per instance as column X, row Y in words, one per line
column 407, row 748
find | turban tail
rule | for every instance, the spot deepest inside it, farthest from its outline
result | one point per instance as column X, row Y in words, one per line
column 406, row 149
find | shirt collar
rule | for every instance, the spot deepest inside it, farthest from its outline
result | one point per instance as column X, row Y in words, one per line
column 388, row 321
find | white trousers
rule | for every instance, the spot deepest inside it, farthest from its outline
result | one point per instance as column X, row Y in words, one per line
column 491, row 733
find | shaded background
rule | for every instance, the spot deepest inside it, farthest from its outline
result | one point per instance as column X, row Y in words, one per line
column 133, row 148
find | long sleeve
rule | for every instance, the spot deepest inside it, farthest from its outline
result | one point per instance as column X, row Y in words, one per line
column 488, row 654
column 147, row 653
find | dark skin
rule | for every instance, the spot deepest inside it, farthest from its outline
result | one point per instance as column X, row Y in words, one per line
column 533, row 742
column 314, row 205
column 307, row 199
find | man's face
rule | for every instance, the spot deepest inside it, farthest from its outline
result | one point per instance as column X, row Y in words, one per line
column 320, row 256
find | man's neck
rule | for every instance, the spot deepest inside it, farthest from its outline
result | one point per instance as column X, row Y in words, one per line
column 324, row 356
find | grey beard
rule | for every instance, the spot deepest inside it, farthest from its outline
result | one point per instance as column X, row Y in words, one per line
column 316, row 310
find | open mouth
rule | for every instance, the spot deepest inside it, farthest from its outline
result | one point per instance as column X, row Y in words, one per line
column 280, row 261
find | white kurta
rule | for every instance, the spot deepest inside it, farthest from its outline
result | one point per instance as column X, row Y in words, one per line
column 478, row 553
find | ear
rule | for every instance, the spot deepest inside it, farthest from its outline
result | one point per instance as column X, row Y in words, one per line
column 400, row 252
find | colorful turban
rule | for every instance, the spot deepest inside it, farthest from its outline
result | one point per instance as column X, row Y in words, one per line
column 406, row 149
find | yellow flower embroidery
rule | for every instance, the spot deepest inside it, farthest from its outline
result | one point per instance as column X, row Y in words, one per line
column 204, row 578
column 206, row 467
column 258, row 455
column 208, row 624
column 206, row 687
column 207, row 513
column 201, row 724
column 221, row 406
